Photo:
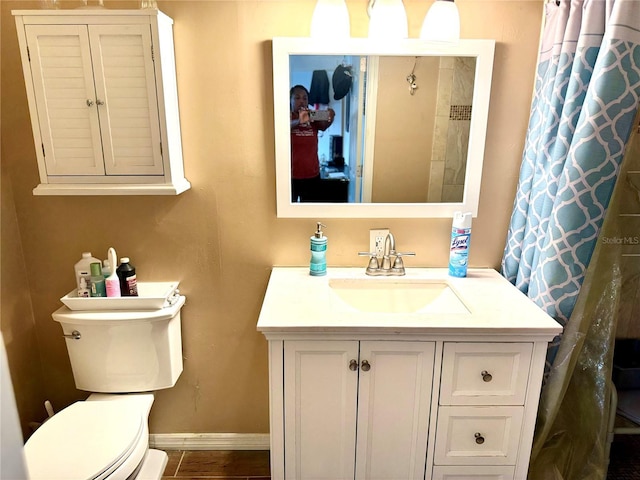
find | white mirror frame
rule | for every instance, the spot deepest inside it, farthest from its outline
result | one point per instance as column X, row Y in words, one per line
column 482, row 50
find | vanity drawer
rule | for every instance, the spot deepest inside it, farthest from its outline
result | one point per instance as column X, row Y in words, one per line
column 485, row 374
column 478, row 435
column 473, row 473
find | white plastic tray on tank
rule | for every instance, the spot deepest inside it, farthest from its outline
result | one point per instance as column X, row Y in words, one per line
column 151, row 296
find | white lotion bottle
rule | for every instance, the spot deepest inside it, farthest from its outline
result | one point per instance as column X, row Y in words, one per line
column 83, row 269
column 112, row 281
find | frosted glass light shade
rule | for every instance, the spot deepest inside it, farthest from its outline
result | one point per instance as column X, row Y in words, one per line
column 330, row 20
column 388, row 20
column 442, row 23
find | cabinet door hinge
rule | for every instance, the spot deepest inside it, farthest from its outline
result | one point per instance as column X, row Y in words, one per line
column 153, row 58
column 161, row 149
column 28, row 55
column 43, row 154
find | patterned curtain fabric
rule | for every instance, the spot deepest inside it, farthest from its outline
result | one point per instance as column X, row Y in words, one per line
column 585, row 99
column 586, row 96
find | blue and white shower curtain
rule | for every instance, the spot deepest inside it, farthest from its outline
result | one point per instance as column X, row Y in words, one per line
column 586, row 95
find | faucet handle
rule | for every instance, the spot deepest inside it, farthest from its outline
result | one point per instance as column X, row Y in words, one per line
column 398, row 264
column 374, row 267
column 398, row 267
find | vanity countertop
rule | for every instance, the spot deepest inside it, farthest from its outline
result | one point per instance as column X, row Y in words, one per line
column 296, row 302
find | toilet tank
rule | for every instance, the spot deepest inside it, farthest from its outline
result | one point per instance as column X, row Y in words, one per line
column 122, row 351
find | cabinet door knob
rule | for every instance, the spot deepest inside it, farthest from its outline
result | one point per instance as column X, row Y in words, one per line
column 353, row 365
column 99, row 102
column 486, row 376
column 479, row 438
column 365, row 366
column 89, row 103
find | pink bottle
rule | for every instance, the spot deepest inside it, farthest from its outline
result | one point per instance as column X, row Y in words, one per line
column 112, row 281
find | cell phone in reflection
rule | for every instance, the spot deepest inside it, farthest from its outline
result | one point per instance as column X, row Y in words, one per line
column 319, row 115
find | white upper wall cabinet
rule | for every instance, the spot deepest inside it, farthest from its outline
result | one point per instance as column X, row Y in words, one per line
column 102, row 95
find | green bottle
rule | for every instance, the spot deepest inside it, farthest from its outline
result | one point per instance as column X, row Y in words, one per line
column 98, row 287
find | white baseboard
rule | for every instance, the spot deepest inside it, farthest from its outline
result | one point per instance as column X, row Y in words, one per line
column 209, row 441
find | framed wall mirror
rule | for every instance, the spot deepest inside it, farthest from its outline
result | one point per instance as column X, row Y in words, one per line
column 407, row 130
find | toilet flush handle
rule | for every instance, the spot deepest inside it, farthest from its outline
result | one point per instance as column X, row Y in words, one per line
column 75, row 335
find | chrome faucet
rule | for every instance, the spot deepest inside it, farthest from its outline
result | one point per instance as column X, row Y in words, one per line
column 389, row 249
column 385, row 267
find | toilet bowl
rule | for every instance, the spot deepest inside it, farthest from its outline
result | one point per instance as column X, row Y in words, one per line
column 104, row 437
column 122, row 356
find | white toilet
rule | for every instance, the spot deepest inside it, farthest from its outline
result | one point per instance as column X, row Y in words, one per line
column 121, row 356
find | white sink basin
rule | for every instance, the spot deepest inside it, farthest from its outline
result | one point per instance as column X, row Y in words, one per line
column 424, row 301
column 391, row 295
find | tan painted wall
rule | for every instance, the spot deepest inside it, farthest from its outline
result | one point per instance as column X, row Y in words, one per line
column 221, row 237
column 401, row 172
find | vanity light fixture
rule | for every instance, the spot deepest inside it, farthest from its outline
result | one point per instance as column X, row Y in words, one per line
column 442, row 23
column 330, row 20
column 387, row 20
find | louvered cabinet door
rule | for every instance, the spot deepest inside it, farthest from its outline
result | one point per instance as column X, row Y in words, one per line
column 65, row 93
column 127, row 99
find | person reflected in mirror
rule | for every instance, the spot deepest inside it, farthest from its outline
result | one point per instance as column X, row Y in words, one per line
column 305, row 165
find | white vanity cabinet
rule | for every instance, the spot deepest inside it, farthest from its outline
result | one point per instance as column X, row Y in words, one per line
column 356, row 406
column 102, row 93
column 436, row 393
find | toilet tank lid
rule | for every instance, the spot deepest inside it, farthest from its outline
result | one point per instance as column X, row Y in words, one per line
column 64, row 314
column 83, row 440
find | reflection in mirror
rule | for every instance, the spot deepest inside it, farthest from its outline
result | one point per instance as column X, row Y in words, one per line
column 420, row 129
column 406, row 136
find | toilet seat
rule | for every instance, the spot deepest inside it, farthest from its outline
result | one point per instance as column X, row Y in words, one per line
column 87, row 441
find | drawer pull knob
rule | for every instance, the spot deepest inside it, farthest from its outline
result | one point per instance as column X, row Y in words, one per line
column 486, row 376
column 365, row 366
column 353, row 365
column 479, row 438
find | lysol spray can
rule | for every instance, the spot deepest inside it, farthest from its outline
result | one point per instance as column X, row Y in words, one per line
column 460, row 240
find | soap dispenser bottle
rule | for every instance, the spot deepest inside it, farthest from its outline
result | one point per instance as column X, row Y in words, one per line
column 318, row 262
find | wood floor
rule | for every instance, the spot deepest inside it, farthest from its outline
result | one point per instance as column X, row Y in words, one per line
column 218, row 464
column 254, row 465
